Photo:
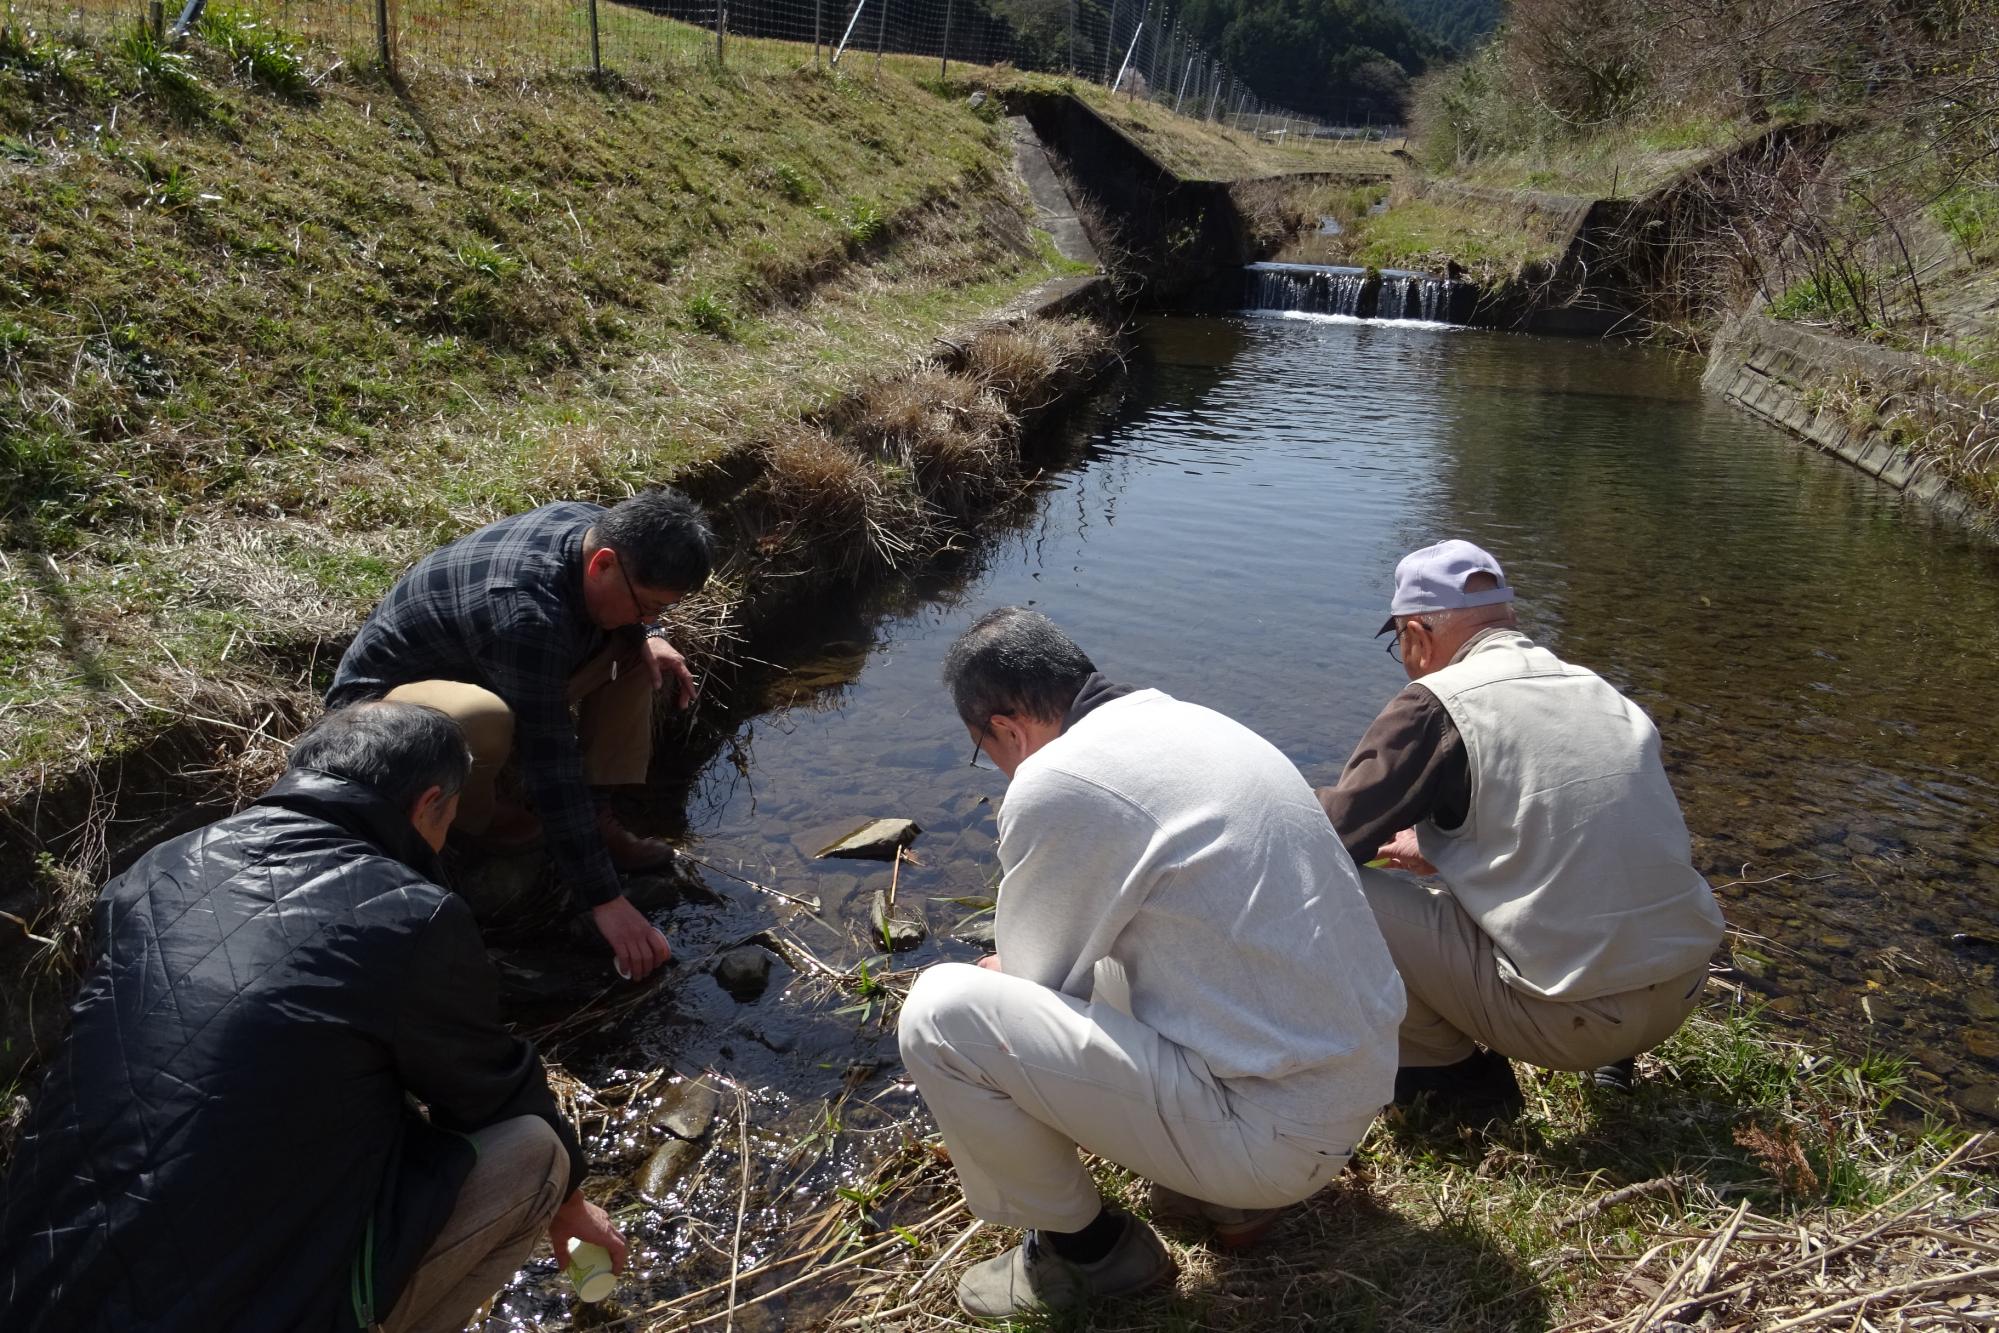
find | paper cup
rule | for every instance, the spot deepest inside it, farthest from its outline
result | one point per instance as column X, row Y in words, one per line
column 590, row 1271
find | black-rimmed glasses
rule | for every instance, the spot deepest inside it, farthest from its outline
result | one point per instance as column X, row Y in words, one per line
column 638, row 603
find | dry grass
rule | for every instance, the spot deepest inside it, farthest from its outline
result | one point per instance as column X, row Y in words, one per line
column 830, row 505
column 1837, row 1209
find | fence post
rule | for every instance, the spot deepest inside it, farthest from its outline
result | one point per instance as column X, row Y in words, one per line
column 382, row 34
column 818, row 7
column 1183, row 85
column 157, row 16
column 596, row 55
column 944, row 61
column 721, row 25
column 881, row 35
column 1110, row 40
column 1072, row 37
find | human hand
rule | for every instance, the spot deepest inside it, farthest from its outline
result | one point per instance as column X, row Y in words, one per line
column 639, row 946
column 583, row 1220
column 991, row 963
column 666, row 664
column 1403, row 852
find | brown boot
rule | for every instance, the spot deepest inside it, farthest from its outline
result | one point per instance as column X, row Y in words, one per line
column 628, row 850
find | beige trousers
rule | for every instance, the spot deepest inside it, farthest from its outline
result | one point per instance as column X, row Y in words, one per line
column 613, row 725
column 1019, row 1077
column 1450, row 973
column 520, row 1179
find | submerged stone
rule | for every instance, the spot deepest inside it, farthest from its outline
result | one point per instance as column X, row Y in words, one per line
column 688, row 1109
column 744, row 972
column 668, row 1163
column 895, row 933
column 979, row 932
column 877, row 840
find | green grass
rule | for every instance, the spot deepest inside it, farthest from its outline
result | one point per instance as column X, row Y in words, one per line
column 1426, row 233
column 261, row 349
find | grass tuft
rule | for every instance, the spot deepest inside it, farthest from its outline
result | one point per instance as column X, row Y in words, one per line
column 268, row 57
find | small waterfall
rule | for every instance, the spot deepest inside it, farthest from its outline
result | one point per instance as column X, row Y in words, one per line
column 1355, row 293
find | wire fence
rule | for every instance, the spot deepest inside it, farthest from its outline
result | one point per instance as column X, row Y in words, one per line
column 1139, row 49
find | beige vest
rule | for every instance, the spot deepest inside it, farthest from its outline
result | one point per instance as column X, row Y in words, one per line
column 1574, row 857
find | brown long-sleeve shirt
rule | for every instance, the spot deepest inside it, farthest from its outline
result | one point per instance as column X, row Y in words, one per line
column 1409, row 766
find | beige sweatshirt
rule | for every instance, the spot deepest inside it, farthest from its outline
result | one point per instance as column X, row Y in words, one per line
column 1179, row 849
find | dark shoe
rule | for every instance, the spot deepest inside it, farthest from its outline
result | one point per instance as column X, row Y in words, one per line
column 1479, row 1087
column 628, row 850
column 1031, row 1276
column 1233, row 1228
column 1618, row 1078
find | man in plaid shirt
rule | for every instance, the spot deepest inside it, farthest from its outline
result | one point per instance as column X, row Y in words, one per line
column 508, row 628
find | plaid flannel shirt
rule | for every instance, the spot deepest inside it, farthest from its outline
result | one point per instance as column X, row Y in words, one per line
column 503, row 608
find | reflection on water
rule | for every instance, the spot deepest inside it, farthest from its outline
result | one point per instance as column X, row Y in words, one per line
column 1815, row 651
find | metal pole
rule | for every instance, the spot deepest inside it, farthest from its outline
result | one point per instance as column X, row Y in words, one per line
column 1125, row 64
column 1072, row 37
column 858, row 7
column 1184, row 75
column 1110, row 36
column 1158, row 47
column 721, row 23
column 881, row 31
column 1144, row 16
column 818, row 6
column 596, row 56
column 382, row 33
column 944, row 62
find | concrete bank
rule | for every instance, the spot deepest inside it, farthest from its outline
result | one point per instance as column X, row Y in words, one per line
column 1866, row 405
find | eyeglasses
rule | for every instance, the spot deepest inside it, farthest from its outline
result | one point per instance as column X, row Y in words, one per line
column 979, row 742
column 1394, row 648
column 638, row 604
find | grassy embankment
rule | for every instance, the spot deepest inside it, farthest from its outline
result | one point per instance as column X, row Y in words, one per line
column 272, row 331
column 1749, row 1179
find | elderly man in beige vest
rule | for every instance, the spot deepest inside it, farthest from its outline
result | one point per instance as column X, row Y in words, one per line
column 1570, row 929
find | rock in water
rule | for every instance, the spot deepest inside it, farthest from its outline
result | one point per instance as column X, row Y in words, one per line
column 875, row 840
column 669, row 1162
column 978, row 931
column 688, row 1109
column 743, row 972
column 895, row 933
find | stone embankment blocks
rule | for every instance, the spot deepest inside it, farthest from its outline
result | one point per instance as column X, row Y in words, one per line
column 1777, row 370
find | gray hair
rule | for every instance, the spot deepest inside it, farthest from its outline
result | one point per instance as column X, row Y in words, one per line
column 400, row 750
column 1014, row 661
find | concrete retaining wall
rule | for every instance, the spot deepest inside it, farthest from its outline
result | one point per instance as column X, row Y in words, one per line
column 1772, row 368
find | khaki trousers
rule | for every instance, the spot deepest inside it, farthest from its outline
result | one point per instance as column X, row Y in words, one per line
column 613, row 726
column 1020, row 1076
column 520, row 1179
column 1450, row 973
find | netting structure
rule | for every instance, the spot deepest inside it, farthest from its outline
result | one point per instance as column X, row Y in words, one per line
column 1138, row 49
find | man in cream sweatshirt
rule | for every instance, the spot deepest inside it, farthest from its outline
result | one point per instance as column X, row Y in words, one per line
column 1570, row 929
column 1188, row 981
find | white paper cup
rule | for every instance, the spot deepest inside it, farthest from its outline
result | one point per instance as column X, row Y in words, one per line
column 590, row 1271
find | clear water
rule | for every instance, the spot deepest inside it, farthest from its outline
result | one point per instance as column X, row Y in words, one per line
column 1818, row 655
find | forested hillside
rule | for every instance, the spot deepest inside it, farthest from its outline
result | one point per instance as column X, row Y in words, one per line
column 1457, row 25
column 1341, row 60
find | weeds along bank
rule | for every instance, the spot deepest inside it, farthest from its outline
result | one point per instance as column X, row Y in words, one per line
column 270, row 332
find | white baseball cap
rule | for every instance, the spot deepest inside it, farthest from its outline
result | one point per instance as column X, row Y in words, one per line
column 1433, row 579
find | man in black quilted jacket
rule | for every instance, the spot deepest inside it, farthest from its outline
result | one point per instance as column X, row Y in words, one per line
column 226, row 1139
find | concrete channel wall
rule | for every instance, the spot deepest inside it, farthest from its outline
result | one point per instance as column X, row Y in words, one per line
column 1785, row 374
